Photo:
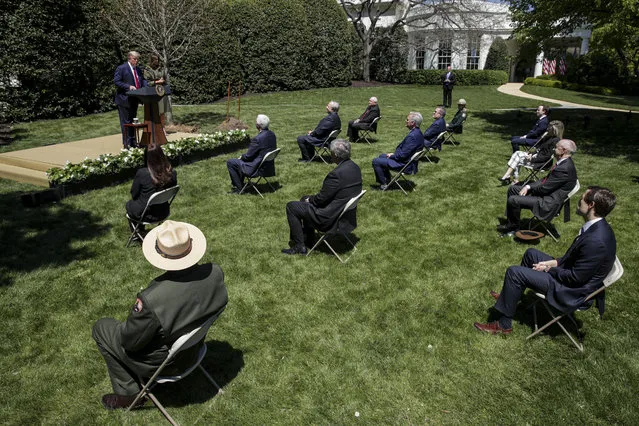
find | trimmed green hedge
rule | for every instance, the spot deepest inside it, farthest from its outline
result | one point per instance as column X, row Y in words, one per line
column 546, row 82
column 463, row 77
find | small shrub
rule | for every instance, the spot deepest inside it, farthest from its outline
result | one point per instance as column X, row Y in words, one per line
column 598, row 90
column 463, row 77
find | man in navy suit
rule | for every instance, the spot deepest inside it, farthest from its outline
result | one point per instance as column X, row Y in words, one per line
column 438, row 126
column 318, row 136
column 448, row 82
column 535, row 133
column 545, row 196
column 412, row 143
column 246, row 165
column 128, row 76
column 568, row 280
column 321, row 210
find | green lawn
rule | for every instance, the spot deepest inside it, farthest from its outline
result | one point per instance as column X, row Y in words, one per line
column 617, row 101
column 308, row 340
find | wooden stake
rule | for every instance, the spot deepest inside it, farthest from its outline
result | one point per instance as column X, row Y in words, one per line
column 239, row 100
column 228, row 100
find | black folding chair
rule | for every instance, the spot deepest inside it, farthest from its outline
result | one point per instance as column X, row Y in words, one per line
column 546, row 224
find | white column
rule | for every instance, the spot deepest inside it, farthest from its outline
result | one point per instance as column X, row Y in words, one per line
column 539, row 64
column 585, row 44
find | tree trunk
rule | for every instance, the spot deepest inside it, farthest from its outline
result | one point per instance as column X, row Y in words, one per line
column 168, row 114
column 366, row 61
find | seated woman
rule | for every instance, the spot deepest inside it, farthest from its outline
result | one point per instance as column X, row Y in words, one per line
column 156, row 176
column 539, row 156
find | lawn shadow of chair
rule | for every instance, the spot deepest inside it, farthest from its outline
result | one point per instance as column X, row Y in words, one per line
column 222, row 361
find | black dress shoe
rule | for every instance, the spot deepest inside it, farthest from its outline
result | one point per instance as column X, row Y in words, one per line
column 507, row 228
column 113, row 401
column 502, row 179
column 303, row 160
column 295, row 250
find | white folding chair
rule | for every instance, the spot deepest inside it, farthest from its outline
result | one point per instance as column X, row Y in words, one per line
column 350, row 205
column 324, row 149
column 160, row 197
column 613, row 276
column 258, row 173
column 449, row 137
column 395, row 179
column 436, row 145
column 186, row 341
column 366, row 133
column 533, row 174
column 546, row 223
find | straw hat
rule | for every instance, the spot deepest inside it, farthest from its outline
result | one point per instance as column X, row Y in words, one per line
column 174, row 246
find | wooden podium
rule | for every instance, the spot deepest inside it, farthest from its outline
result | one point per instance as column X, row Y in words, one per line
column 152, row 129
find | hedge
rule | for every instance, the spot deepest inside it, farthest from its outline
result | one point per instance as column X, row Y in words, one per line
column 463, row 77
column 545, row 82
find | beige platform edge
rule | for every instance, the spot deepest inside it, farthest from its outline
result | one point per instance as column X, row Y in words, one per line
column 30, row 165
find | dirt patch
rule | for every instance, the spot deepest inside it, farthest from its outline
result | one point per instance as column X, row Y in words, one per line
column 181, row 128
column 232, row 124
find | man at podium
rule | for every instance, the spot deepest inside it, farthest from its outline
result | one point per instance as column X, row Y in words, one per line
column 128, row 76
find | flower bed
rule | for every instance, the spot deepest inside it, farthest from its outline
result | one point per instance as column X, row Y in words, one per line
column 112, row 168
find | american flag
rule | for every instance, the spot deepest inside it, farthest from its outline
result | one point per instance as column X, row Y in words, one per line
column 562, row 65
column 549, row 66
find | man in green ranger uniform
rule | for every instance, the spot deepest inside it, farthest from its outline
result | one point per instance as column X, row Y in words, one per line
column 174, row 303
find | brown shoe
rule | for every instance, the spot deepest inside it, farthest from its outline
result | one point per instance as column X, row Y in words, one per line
column 494, row 294
column 492, row 328
column 113, row 401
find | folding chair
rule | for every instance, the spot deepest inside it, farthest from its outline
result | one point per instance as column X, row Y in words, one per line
column 449, row 137
column 259, row 173
column 546, row 224
column 395, row 179
column 350, row 205
column 160, row 197
column 436, row 145
column 613, row 276
column 366, row 133
column 533, row 174
column 530, row 148
column 323, row 149
column 186, row 341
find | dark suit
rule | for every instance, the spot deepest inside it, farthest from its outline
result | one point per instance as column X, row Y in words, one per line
column 412, row 143
column 320, row 212
column 173, row 304
column 318, row 136
column 448, row 88
column 365, row 120
column 579, row 272
column 545, row 196
column 127, row 107
column 531, row 137
column 430, row 135
column 246, row 165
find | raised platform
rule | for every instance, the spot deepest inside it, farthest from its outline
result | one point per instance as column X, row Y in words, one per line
column 30, row 165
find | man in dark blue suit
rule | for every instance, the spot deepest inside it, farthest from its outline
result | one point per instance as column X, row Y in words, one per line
column 567, row 281
column 246, row 165
column 438, row 126
column 545, row 196
column 320, row 211
column 128, row 76
column 318, row 136
column 535, row 133
column 412, row 143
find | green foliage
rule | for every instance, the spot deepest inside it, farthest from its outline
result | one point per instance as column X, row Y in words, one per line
column 132, row 159
column 61, row 53
column 388, row 56
column 623, row 102
column 497, row 58
column 599, row 90
column 269, row 45
column 463, row 77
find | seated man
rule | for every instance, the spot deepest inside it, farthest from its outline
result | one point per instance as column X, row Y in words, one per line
column 176, row 302
column 364, row 121
column 546, row 195
column 567, row 281
column 246, row 165
column 438, row 126
column 321, row 210
column 535, row 133
column 457, row 123
column 318, row 136
column 412, row 143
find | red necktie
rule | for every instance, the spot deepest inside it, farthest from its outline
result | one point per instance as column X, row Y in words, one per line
column 137, row 82
column 546, row 178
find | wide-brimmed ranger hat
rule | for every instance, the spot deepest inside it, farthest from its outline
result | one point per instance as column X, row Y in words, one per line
column 174, row 246
column 461, row 102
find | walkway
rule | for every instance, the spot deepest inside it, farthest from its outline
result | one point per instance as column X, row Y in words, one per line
column 513, row 89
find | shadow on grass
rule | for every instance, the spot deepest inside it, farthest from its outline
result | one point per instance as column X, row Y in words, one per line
column 43, row 236
column 599, row 133
column 339, row 244
column 632, row 102
column 264, row 188
column 222, row 361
